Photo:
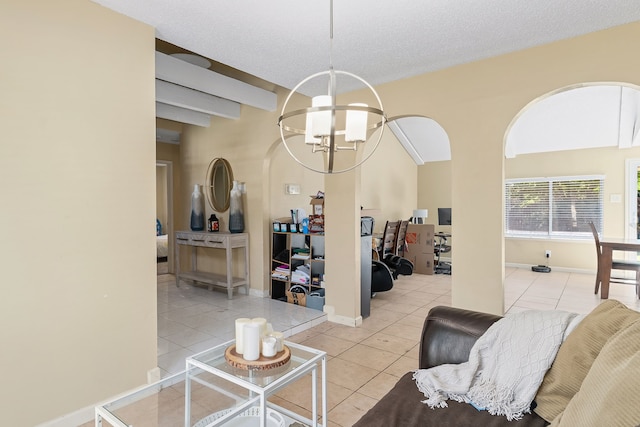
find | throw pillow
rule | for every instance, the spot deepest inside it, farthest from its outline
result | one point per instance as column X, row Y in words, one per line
column 576, row 355
column 608, row 395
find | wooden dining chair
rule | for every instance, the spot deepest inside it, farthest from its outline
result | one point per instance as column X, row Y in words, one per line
column 388, row 239
column 615, row 265
column 400, row 243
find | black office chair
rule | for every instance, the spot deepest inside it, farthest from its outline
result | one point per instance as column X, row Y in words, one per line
column 388, row 250
column 381, row 277
column 440, row 248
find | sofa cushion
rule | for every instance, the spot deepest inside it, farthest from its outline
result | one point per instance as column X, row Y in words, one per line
column 403, row 406
column 576, row 355
column 608, row 395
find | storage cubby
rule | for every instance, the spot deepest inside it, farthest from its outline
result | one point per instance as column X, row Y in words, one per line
column 289, row 251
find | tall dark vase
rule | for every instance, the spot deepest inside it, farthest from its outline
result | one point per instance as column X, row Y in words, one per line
column 197, row 209
column 236, row 210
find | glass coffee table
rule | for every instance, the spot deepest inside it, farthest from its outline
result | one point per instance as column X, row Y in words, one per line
column 211, row 392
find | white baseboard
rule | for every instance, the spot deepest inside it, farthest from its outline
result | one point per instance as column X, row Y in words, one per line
column 74, row 419
column 84, row 415
column 259, row 293
column 342, row 320
column 553, row 268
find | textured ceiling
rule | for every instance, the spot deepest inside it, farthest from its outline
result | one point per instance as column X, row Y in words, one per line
column 284, row 41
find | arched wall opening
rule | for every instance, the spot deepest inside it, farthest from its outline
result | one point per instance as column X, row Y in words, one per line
column 586, row 129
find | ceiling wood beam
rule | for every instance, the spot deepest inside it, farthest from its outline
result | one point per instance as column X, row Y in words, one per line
column 191, row 76
column 182, row 115
column 180, row 96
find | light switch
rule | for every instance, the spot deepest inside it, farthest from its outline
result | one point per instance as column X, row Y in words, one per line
column 292, row 188
column 615, row 198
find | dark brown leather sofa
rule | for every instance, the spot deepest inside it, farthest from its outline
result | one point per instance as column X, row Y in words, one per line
column 447, row 337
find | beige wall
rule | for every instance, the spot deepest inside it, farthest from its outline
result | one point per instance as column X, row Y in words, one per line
column 434, row 191
column 77, row 161
column 389, row 182
column 609, row 162
column 78, row 127
column 566, row 254
column 253, row 147
column 170, row 154
column 475, row 104
column 162, row 210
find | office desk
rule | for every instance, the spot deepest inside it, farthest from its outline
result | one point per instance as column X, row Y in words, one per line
column 608, row 245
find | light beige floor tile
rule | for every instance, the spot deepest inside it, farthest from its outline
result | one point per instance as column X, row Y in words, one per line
column 331, row 345
column 354, row 378
column 390, row 343
column 402, row 307
column 291, row 406
column 300, row 393
column 348, row 374
column 349, row 333
column 370, row 357
column 414, row 353
column 376, row 324
column 388, row 315
column 300, row 337
column 351, row 410
column 403, row 331
column 412, row 320
column 402, row 366
column 379, row 385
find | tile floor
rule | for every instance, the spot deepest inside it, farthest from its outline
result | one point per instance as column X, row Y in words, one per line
column 192, row 318
column 364, row 362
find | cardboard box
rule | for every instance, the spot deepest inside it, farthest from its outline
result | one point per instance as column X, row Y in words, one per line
column 317, row 206
column 419, row 238
column 422, row 262
column 419, row 249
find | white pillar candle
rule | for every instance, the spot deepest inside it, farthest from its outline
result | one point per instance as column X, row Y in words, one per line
column 263, row 325
column 251, row 341
column 279, row 336
column 268, row 346
column 239, row 329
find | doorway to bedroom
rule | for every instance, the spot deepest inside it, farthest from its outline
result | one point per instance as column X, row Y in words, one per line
column 164, row 215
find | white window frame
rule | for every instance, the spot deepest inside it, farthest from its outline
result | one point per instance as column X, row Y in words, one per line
column 550, row 233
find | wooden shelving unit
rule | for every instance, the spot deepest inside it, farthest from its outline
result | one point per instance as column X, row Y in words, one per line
column 290, row 251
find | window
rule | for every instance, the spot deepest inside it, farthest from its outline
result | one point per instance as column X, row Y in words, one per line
column 553, row 207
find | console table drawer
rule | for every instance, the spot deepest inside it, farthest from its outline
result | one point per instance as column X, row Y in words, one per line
column 201, row 239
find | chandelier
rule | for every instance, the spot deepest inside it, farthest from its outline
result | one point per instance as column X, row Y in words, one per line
column 327, row 128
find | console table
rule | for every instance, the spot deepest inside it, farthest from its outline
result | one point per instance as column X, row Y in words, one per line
column 217, row 240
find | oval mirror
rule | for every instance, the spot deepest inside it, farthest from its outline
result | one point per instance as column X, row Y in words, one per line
column 218, row 184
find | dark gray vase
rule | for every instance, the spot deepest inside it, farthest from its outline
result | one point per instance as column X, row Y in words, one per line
column 236, row 210
column 197, row 209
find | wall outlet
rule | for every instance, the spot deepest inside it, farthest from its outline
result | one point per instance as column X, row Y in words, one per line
column 547, row 253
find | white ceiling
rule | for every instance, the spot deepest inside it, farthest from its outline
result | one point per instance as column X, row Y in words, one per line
column 284, row 41
column 583, row 117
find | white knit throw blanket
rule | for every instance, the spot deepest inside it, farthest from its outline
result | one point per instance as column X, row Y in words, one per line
column 506, row 365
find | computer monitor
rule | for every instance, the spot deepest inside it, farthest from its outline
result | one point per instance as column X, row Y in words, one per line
column 444, row 216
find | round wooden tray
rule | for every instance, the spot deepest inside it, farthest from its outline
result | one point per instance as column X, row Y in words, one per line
column 262, row 364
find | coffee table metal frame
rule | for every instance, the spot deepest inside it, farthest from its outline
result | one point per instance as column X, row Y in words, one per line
column 260, row 384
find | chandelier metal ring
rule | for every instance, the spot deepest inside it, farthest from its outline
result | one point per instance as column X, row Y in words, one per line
column 330, row 146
